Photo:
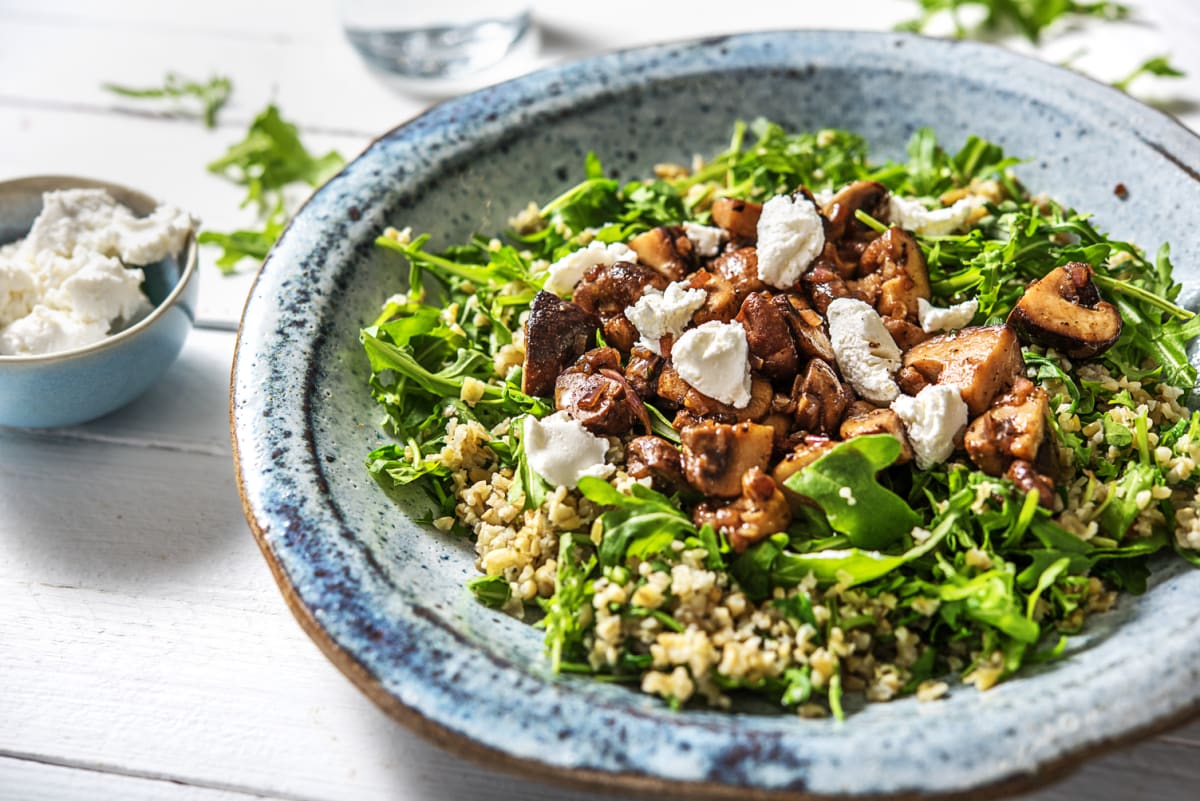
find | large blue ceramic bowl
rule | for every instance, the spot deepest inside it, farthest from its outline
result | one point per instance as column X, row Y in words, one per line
column 69, row 387
column 383, row 595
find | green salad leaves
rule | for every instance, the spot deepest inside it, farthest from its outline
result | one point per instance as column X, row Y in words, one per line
column 924, row 574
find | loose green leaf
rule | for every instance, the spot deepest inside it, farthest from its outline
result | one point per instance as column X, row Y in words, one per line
column 493, row 591
column 211, row 94
column 843, row 484
column 1155, row 65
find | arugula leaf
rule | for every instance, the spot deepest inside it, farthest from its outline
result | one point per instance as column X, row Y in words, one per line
column 573, row 592
column 266, row 162
column 211, row 94
column 1155, row 65
column 843, row 484
column 640, row 524
column 1120, row 508
column 1030, row 18
column 493, row 591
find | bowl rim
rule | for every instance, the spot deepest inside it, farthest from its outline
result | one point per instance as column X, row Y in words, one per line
column 187, row 257
column 1048, row 770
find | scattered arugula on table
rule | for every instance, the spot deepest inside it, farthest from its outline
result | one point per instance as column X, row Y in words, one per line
column 1001, row 576
column 1030, row 18
column 211, row 94
column 1158, row 66
column 270, row 159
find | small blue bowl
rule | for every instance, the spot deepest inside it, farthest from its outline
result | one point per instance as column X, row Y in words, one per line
column 74, row 386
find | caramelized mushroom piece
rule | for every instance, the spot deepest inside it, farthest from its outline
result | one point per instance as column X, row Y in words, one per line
column 824, row 286
column 666, row 249
column 1064, row 311
column 740, row 267
column 738, row 217
column 772, row 349
column 870, row 196
column 903, row 276
column 907, row 335
column 1012, row 429
column 820, row 399
column 862, row 419
column 643, row 370
column 557, row 332
column 1027, row 479
column 700, row 405
column 660, row 460
column 598, row 400
column 607, row 290
column 720, row 300
column 759, row 512
column 807, row 327
column 717, row 455
column 980, row 360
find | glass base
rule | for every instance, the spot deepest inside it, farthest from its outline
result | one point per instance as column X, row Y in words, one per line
column 445, row 52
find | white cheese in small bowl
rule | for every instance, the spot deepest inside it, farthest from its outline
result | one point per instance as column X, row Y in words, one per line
column 75, row 277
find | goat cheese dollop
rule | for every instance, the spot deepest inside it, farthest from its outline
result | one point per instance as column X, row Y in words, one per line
column 790, row 235
column 562, row 451
column 935, row 318
column 568, row 271
column 706, row 239
column 933, row 420
column 866, row 354
column 659, row 313
column 714, row 359
column 75, row 276
column 912, row 214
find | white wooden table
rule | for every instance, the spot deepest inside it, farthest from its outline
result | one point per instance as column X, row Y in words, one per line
column 145, row 651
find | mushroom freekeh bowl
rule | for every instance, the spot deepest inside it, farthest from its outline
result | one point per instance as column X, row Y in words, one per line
column 382, row 592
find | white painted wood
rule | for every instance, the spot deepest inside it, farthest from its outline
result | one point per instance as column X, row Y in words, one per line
column 144, row 649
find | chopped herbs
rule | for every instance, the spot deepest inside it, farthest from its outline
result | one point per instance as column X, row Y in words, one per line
column 1029, row 18
column 268, row 162
column 887, row 579
column 211, row 94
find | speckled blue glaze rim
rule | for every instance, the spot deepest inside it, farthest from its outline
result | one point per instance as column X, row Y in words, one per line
column 412, row 663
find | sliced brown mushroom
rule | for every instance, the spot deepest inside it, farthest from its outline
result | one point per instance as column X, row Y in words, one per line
column 769, row 338
column 556, row 334
column 820, row 399
column 667, row 249
column 700, row 405
column 807, row 327
column 591, row 392
column 863, row 419
column 906, row 334
column 1013, row 428
column 740, row 267
column 717, row 455
column 824, row 286
column 841, row 210
column 980, row 360
column 903, row 276
column 607, row 290
column 1064, row 311
column 760, row 511
column 720, row 300
column 654, row 457
column 642, row 371
column 738, row 217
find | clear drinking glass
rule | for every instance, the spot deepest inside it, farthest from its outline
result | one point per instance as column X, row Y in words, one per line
column 436, row 41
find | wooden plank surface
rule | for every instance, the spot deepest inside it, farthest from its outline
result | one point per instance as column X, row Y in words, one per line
column 144, row 649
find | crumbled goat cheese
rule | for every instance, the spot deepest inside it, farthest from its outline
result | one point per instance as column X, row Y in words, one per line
column 562, row 451
column 68, row 282
column 933, row 420
column 659, row 313
column 706, row 239
column 567, row 271
column 866, row 354
column 790, row 235
column 912, row 215
column 714, row 359
column 934, row 318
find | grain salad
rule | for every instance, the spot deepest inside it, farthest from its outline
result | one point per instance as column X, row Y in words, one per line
column 789, row 423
